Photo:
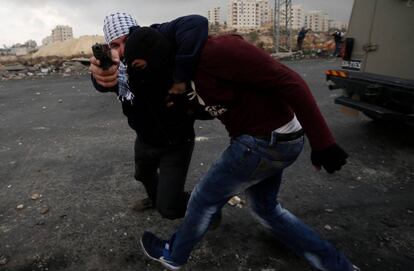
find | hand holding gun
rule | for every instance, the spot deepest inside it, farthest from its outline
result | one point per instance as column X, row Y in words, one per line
column 104, row 65
column 102, row 52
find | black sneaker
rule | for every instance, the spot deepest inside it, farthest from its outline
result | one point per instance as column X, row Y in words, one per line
column 143, row 204
column 157, row 250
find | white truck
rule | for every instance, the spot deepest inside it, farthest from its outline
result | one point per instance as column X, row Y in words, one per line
column 377, row 73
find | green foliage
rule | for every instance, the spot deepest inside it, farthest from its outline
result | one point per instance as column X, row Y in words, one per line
column 253, row 36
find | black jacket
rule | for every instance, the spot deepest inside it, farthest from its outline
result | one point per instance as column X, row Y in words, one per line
column 155, row 123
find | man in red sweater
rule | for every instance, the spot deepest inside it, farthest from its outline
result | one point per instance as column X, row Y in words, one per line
column 266, row 108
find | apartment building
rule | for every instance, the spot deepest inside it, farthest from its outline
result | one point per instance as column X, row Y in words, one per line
column 296, row 17
column 213, row 15
column 62, row 33
column 248, row 14
column 59, row 33
column 317, row 20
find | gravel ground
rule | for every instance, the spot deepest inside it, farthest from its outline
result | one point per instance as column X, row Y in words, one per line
column 66, row 181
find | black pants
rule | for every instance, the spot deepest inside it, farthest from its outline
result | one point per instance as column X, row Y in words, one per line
column 163, row 171
column 299, row 44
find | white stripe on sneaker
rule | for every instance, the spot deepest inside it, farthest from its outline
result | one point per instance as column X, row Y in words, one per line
column 167, row 264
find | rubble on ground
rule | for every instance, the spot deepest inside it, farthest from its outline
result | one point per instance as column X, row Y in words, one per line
column 60, row 58
column 71, row 57
column 41, row 67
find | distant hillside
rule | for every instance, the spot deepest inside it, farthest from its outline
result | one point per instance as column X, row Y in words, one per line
column 69, row 48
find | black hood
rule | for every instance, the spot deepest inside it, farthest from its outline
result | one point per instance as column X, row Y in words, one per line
column 150, row 45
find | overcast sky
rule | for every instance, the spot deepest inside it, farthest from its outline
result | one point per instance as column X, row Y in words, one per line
column 21, row 20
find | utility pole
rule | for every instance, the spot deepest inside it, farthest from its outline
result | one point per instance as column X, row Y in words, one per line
column 282, row 7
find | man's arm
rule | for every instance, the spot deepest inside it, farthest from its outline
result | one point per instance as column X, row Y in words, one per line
column 188, row 34
column 231, row 59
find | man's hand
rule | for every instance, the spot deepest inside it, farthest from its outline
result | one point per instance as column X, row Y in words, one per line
column 178, row 88
column 106, row 78
column 331, row 158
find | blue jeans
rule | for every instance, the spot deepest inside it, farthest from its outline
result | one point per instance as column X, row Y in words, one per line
column 256, row 166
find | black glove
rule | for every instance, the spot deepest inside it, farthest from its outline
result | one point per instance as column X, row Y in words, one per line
column 331, row 158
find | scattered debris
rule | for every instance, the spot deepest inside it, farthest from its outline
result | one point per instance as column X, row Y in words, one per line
column 3, row 260
column 329, row 210
column 44, row 210
column 44, row 70
column 39, row 68
column 14, row 68
column 234, row 200
column 20, row 207
column 237, row 201
column 35, row 196
column 41, row 222
column 328, row 228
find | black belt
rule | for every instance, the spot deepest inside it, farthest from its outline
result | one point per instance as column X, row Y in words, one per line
column 283, row 137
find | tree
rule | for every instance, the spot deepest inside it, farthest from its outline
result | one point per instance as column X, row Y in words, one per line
column 253, row 36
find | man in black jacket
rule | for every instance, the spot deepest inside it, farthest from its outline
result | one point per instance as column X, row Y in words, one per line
column 338, row 41
column 165, row 135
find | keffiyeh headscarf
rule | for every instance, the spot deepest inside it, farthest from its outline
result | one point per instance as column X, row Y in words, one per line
column 115, row 26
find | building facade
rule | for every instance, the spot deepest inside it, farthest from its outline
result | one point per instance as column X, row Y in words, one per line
column 296, row 17
column 214, row 15
column 62, row 33
column 317, row 21
column 248, row 14
column 47, row 40
column 59, row 33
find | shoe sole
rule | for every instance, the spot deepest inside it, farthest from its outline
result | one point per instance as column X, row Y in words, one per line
column 165, row 264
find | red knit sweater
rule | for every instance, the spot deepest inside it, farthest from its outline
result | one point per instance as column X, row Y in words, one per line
column 254, row 94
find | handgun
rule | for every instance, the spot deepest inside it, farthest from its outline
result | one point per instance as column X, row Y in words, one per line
column 102, row 52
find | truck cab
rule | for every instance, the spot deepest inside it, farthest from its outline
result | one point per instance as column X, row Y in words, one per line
column 377, row 72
